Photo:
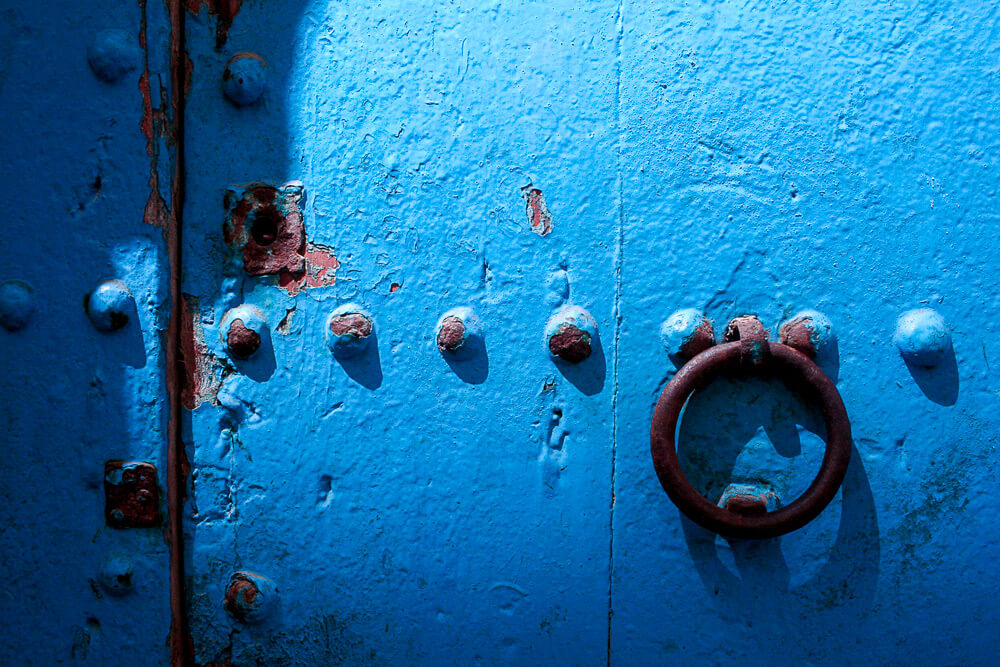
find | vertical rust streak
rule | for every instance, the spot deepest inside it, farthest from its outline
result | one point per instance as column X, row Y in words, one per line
column 181, row 650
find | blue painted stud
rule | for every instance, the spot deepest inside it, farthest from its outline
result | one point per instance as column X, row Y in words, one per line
column 17, row 304
column 242, row 330
column 686, row 333
column 109, row 305
column 456, row 329
column 250, row 597
column 117, row 575
column 349, row 330
column 244, row 79
column 810, row 332
column 922, row 337
column 570, row 334
column 112, row 54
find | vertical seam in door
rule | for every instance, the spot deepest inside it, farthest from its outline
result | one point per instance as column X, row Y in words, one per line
column 181, row 653
column 619, row 249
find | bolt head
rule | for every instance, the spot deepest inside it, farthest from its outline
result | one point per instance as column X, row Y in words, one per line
column 112, row 54
column 686, row 333
column 922, row 337
column 242, row 331
column 250, row 597
column 116, row 575
column 349, row 330
column 17, row 304
column 109, row 306
column 810, row 332
column 244, row 79
column 571, row 334
column 455, row 330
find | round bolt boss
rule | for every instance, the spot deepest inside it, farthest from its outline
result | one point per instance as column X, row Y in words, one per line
column 109, row 305
column 570, row 333
column 922, row 337
column 116, row 575
column 112, row 54
column 349, row 330
column 17, row 304
column 810, row 332
column 686, row 333
column 242, row 330
column 455, row 329
column 244, row 79
column 250, row 597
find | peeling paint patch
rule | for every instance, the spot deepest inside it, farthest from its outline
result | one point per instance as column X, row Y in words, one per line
column 321, row 266
column 203, row 371
column 538, row 213
column 155, row 124
column 224, row 10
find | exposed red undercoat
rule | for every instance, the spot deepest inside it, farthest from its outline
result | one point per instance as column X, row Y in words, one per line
column 224, row 10
column 321, row 266
column 538, row 213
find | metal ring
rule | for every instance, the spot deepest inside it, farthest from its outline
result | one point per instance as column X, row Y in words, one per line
column 799, row 373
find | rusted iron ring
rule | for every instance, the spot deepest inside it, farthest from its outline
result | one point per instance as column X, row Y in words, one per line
column 800, row 374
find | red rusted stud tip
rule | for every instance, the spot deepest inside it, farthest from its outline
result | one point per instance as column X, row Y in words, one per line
column 349, row 330
column 810, row 332
column 250, row 596
column 570, row 343
column 745, row 327
column 451, row 334
column 242, row 342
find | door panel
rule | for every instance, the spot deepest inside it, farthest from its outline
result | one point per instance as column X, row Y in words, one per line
column 87, row 162
column 408, row 506
column 837, row 159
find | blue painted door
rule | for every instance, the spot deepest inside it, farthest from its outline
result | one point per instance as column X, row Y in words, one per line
column 437, row 263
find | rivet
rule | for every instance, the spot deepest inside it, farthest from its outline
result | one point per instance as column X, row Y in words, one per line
column 17, row 304
column 250, row 597
column 455, row 329
column 922, row 337
column 810, row 332
column 570, row 334
column 242, row 330
column 116, row 575
column 349, row 330
column 686, row 333
column 109, row 305
column 244, row 79
column 112, row 54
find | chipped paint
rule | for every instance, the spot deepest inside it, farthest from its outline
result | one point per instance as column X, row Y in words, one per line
column 225, row 12
column 539, row 217
column 203, row 370
column 320, row 270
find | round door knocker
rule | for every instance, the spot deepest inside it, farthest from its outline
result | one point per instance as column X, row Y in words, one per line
column 749, row 352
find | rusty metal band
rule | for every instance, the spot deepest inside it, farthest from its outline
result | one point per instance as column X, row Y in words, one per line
column 801, row 375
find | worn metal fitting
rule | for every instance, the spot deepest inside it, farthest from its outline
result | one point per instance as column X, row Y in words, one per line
column 455, row 329
column 116, row 575
column 17, row 304
column 244, row 79
column 570, row 334
column 109, row 305
column 242, row 330
column 810, row 332
column 131, row 494
column 349, row 330
column 748, row 499
column 686, row 333
column 265, row 226
column 750, row 332
column 922, row 337
column 250, row 597
column 112, row 54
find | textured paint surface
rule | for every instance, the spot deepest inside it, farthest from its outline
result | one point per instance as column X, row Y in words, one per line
column 729, row 157
column 631, row 157
column 84, row 107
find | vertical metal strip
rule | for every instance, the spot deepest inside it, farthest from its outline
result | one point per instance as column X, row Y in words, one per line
column 181, row 650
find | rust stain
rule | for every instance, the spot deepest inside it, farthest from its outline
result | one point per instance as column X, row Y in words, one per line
column 155, row 123
column 320, row 270
column 265, row 227
column 538, row 213
column 203, row 371
column 224, row 10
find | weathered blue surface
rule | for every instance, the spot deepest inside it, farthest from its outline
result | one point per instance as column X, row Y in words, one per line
column 78, row 178
column 407, row 506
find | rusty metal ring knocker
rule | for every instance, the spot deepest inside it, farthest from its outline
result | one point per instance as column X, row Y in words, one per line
column 750, row 352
